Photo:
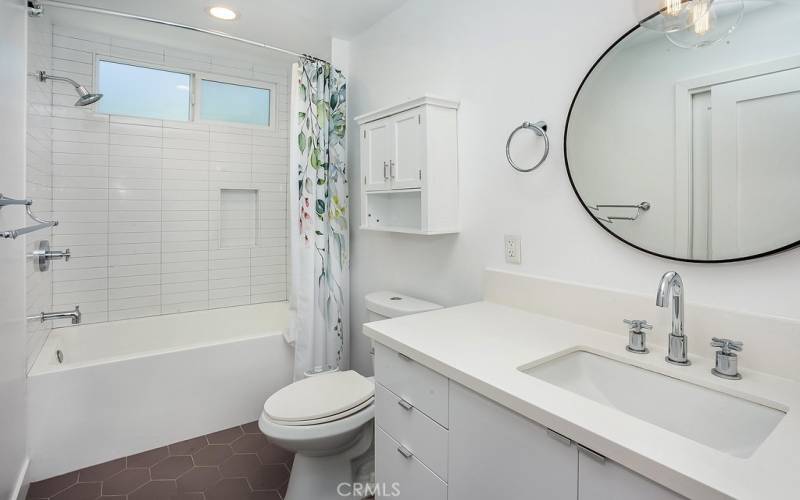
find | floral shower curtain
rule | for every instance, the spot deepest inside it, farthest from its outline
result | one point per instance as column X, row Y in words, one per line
column 319, row 257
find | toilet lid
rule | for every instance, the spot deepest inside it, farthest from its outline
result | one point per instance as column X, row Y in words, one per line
column 319, row 397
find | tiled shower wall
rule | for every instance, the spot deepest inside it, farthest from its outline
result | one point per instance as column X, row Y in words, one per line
column 138, row 200
column 38, row 177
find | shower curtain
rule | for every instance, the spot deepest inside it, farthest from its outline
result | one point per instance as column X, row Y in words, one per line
column 319, row 258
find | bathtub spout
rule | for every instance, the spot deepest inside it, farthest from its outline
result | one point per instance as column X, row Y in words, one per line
column 75, row 316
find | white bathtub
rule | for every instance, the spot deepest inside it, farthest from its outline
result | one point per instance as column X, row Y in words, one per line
column 130, row 386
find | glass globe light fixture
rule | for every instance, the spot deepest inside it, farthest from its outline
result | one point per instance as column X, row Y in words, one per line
column 668, row 16
column 711, row 26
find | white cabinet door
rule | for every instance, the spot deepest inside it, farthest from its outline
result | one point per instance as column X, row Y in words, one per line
column 754, row 158
column 408, row 150
column 376, row 151
column 496, row 453
column 610, row 481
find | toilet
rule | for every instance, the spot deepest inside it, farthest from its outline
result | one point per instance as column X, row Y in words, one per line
column 326, row 419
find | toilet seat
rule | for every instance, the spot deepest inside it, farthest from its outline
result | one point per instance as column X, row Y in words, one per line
column 330, row 418
column 320, row 399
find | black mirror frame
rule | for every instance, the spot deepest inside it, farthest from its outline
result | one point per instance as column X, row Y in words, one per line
column 599, row 223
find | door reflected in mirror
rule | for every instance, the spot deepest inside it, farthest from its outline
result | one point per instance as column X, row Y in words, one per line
column 708, row 138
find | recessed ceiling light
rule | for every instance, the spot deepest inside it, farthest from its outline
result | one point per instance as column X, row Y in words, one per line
column 223, row 13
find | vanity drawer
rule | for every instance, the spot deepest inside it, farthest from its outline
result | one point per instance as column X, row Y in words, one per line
column 420, row 386
column 394, row 467
column 413, row 429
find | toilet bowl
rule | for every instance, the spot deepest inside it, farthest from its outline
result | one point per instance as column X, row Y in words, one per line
column 327, row 419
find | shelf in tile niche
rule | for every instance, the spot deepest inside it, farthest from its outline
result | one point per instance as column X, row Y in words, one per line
column 238, row 218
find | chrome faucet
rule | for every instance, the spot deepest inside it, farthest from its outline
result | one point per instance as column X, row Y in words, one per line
column 75, row 316
column 672, row 284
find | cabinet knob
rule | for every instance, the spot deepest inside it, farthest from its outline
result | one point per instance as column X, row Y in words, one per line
column 404, row 451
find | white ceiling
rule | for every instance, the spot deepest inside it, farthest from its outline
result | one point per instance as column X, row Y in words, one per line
column 304, row 26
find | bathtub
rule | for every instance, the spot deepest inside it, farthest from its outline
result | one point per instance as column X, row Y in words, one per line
column 129, row 386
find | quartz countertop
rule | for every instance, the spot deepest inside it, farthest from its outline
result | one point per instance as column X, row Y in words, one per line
column 482, row 345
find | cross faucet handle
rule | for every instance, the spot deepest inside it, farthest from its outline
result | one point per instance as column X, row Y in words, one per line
column 727, row 345
column 637, row 325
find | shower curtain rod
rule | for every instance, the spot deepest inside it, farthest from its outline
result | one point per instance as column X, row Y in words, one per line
column 36, row 8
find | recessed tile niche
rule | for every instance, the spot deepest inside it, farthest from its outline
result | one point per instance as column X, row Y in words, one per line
column 238, row 220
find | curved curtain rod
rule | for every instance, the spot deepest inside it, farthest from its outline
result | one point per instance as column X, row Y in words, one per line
column 35, row 7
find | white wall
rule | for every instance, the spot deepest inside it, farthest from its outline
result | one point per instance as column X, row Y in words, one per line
column 138, row 200
column 39, row 178
column 507, row 62
column 12, row 252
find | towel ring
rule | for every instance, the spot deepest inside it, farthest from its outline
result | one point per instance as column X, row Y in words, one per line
column 540, row 129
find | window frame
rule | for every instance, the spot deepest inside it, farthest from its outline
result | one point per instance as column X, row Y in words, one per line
column 138, row 64
column 195, row 97
column 242, row 82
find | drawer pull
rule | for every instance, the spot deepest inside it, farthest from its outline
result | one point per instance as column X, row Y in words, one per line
column 592, row 454
column 403, row 356
column 404, row 451
column 559, row 437
column 405, row 404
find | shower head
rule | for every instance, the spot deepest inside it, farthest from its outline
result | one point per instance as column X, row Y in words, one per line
column 85, row 98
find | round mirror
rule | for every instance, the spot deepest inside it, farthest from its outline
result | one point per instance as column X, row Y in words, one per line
column 691, row 151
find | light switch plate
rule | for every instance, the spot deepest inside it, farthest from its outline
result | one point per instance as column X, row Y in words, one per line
column 513, row 249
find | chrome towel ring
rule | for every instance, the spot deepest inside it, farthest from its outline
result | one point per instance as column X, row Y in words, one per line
column 540, row 129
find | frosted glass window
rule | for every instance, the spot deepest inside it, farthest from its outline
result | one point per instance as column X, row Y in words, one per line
column 227, row 102
column 149, row 93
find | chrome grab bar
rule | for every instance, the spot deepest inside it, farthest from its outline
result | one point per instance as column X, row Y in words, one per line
column 640, row 207
column 15, row 233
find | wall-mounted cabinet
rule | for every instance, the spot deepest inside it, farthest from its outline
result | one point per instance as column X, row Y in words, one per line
column 409, row 167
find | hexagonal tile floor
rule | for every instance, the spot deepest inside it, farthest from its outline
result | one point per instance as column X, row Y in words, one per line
column 234, row 464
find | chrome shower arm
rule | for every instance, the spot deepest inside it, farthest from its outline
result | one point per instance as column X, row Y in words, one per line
column 43, row 76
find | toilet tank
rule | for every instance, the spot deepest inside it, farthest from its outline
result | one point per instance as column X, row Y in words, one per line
column 385, row 305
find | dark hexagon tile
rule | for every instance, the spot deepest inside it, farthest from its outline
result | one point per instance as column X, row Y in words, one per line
column 112, row 497
column 213, row 454
column 283, row 489
column 273, row 454
column 125, row 481
column 198, row 479
column 251, row 428
column 188, row 496
column 241, row 466
column 225, row 437
column 49, row 487
column 229, row 489
column 171, row 467
column 147, row 458
column 269, row 477
column 80, row 491
column 249, row 443
column 101, row 471
column 155, row 490
column 188, row 447
column 264, row 495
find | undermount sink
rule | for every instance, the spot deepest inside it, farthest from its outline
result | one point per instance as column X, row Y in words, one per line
column 726, row 423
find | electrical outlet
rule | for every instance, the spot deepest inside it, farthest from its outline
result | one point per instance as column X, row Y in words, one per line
column 513, row 245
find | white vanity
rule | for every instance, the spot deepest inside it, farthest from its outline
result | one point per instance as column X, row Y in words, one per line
column 451, row 442
column 490, row 401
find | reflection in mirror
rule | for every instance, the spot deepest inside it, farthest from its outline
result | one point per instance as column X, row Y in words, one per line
column 708, row 138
